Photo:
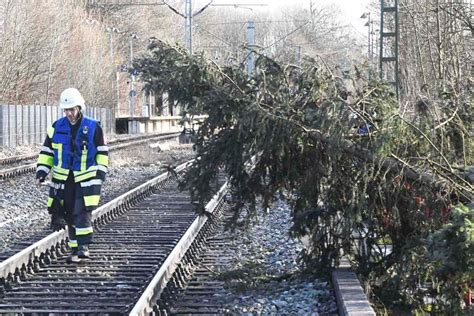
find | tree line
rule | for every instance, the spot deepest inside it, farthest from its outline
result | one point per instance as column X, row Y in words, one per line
column 49, row 45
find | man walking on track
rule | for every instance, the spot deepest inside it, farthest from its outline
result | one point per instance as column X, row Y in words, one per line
column 75, row 153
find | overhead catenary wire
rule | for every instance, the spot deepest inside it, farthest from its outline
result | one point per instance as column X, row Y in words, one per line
column 286, row 36
column 189, row 15
column 174, row 9
column 202, row 9
column 215, row 36
column 256, row 22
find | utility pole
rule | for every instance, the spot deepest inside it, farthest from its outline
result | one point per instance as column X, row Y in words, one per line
column 370, row 46
column 132, row 93
column 189, row 16
column 389, row 35
column 298, row 55
column 115, row 85
column 188, row 26
column 250, row 45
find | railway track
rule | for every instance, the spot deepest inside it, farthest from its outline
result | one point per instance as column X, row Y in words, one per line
column 15, row 159
column 195, row 288
column 140, row 239
column 16, row 165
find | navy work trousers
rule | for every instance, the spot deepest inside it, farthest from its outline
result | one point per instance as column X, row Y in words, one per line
column 79, row 220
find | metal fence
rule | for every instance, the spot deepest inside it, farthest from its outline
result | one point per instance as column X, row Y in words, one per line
column 26, row 124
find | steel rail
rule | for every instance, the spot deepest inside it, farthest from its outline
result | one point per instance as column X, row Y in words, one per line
column 146, row 302
column 13, row 159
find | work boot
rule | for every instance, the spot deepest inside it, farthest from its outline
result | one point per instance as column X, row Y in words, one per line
column 73, row 257
column 83, row 252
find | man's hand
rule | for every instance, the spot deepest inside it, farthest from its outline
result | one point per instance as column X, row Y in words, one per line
column 39, row 181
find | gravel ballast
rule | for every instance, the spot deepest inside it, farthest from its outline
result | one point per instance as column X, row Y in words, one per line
column 287, row 289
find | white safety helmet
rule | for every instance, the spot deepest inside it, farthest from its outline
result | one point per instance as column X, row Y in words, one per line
column 70, row 98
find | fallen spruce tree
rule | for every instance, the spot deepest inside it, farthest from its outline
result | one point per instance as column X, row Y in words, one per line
column 360, row 176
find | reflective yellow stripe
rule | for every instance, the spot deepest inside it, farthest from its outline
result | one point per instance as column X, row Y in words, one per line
column 102, row 159
column 81, row 172
column 86, row 176
column 59, row 148
column 84, row 160
column 59, row 177
column 51, row 200
column 84, row 231
column 61, row 170
column 45, row 160
column 60, row 173
column 82, row 175
column 72, row 243
column 50, row 131
column 91, row 200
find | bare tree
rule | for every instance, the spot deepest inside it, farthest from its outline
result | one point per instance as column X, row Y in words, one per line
column 435, row 48
column 49, row 45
